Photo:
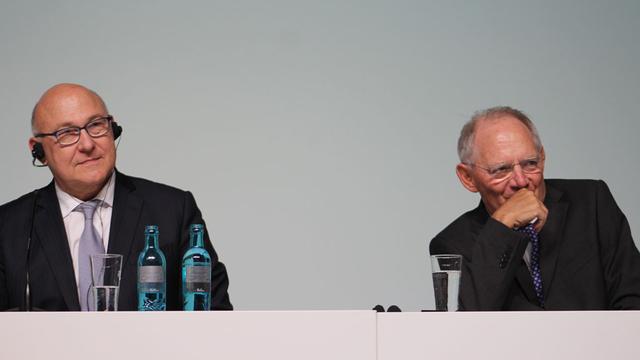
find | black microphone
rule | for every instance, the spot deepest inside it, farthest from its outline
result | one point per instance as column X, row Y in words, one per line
column 394, row 308
column 27, row 288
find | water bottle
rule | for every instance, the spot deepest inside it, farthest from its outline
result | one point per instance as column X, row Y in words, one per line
column 152, row 270
column 196, row 272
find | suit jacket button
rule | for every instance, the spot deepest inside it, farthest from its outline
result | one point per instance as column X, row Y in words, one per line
column 503, row 261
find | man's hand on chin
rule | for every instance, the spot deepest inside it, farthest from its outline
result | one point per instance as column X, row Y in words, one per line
column 521, row 209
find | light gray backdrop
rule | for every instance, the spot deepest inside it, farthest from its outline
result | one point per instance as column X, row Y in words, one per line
column 319, row 137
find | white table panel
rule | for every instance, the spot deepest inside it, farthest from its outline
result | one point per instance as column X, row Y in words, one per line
column 509, row 335
column 282, row 335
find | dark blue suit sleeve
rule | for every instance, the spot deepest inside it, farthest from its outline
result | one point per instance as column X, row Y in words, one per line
column 620, row 257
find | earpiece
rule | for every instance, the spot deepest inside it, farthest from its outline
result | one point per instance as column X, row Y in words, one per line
column 38, row 152
column 117, row 130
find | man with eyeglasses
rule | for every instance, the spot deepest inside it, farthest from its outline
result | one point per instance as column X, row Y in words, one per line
column 43, row 238
column 535, row 244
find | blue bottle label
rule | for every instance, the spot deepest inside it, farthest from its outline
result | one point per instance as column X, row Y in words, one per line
column 150, row 274
column 198, row 279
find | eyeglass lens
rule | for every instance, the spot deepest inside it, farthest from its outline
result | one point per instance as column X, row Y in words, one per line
column 94, row 128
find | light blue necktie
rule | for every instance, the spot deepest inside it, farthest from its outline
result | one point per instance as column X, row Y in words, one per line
column 535, row 261
column 90, row 243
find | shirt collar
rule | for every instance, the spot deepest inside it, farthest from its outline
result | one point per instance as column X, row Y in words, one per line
column 68, row 203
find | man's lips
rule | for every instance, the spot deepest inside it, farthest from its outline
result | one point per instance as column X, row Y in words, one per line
column 88, row 161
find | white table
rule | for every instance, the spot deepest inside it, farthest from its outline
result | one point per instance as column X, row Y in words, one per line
column 301, row 335
column 568, row 335
column 321, row 335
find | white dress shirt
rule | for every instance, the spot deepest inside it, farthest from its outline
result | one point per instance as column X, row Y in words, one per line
column 74, row 220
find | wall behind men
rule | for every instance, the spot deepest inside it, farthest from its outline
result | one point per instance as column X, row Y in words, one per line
column 319, row 137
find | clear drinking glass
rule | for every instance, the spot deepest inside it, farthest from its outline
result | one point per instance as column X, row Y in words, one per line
column 105, row 274
column 445, row 270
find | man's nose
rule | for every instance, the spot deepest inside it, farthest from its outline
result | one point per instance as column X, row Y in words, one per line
column 85, row 142
column 519, row 179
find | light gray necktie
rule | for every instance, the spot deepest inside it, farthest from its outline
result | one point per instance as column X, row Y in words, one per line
column 90, row 243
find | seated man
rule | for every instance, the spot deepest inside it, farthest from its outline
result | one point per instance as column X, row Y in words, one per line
column 74, row 136
column 534, row 244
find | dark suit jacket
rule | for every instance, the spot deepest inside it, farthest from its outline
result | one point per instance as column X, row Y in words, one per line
column 137, row 202
column 587, row 256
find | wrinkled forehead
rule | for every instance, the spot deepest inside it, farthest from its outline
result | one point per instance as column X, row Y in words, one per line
column 503, row 139
column 66, row 106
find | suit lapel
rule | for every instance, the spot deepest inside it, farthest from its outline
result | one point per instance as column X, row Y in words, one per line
column 50, row 232
column 523, row 277
column 550, row 241
column 124, row 218
column 526, row 282
column 551, row 236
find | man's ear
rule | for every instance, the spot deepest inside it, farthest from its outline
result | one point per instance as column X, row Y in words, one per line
column 37, row 154
column 464, row 174
column 31, row 142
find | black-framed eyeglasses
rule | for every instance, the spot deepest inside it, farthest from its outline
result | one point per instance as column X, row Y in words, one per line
column 505, row 171
column 70, row 135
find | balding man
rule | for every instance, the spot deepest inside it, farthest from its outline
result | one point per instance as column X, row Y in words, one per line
column 535, row 244
column 74, row 136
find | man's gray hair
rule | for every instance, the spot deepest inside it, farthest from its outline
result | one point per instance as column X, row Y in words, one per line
column 467, row 134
